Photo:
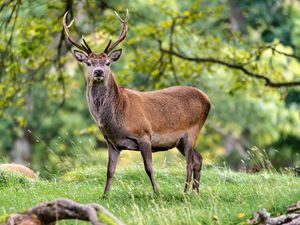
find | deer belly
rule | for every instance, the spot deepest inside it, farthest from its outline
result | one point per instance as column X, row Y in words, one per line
column 168, row 140
column 127, row 144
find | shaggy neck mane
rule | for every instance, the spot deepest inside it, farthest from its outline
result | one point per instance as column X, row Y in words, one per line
column 105, row 101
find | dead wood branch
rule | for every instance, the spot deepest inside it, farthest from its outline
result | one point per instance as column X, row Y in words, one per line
column 50, row 212
column 292, row 217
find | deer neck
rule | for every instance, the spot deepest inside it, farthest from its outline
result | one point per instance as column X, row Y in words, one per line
column 105, row 102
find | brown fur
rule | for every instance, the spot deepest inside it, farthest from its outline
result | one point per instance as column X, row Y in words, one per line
column 17, row 168
column 165, row 111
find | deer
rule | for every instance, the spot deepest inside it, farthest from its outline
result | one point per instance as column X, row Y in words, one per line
column 141, row 121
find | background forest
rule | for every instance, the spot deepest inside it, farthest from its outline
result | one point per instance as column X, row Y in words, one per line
column 244, row 54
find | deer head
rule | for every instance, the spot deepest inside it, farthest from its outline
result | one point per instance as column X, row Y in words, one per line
column 98, row 64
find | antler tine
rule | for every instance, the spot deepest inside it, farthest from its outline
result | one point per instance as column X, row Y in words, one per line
column 121, row 20
column 84, row 47
column 107, row 46
column 122, row 34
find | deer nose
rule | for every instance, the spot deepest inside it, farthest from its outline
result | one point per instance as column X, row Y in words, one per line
column 98, row 73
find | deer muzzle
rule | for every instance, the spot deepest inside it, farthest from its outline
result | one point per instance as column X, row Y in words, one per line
column 98, row 75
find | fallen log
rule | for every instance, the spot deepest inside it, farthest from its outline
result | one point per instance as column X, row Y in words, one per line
column 263, row 217
column 50, row 212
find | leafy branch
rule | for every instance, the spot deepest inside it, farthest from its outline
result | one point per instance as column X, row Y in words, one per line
column 267, row 80
column 236, row 66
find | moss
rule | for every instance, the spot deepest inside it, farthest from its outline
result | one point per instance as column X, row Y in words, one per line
column 3, row 218
column 103, row 218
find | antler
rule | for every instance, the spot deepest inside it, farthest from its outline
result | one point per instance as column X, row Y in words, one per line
column 84, row 47
column 122, row 34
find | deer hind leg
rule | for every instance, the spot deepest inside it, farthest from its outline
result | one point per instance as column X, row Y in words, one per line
column 197, row 170
column 189, row 167
column 188, row 151
column 145, row 148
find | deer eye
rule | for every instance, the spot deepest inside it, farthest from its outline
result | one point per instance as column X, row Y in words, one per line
column 88, row 63
column 107, row 63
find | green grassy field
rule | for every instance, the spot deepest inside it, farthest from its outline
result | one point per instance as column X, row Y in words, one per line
column 226, row 197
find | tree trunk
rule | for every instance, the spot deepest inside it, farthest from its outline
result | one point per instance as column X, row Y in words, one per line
column 236, row 17
column 21, row 152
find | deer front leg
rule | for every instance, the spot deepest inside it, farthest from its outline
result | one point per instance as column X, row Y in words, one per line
column 145, row 148
column 113, row 156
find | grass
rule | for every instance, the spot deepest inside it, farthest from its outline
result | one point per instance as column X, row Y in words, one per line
column 226, row 197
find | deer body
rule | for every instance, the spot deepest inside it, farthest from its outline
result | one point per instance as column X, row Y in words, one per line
column 143, row 121
column 164, row 117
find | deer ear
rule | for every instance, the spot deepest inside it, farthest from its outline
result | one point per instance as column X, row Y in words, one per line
column 80, row 56
column 115, row 55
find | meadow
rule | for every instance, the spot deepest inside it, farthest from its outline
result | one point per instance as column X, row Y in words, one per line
column 226, row 197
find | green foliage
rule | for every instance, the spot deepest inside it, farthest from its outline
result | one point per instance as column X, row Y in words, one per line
column 280, row 21
column 225, row 196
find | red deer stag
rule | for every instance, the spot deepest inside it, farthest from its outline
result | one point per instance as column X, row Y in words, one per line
column 145, row 121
